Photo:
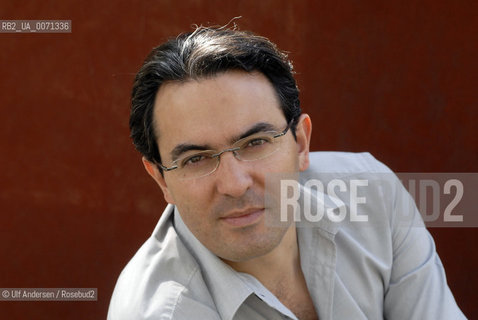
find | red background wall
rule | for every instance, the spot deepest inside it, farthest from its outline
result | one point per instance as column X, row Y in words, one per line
column 395, row 78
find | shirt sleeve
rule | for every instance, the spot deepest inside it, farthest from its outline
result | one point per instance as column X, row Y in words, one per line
column 417, row 288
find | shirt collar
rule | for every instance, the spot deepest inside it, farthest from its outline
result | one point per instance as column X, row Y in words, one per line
column 320, row 202
column 227, row 287
column 230, row 289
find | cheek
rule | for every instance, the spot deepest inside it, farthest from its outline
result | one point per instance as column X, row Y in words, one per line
column 286, row 160
column 292, row 156
column 191, row 198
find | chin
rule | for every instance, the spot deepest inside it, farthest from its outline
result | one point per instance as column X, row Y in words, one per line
column 256, row 246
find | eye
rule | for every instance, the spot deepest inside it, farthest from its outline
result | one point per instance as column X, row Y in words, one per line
column 193, row 160
column 257, row 142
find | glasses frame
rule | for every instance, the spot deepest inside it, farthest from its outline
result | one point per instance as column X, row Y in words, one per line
column 219, row 153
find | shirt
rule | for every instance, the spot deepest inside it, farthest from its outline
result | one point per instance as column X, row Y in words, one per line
column 383, row 268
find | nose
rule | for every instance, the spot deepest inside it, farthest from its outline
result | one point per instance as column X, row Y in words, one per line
column 232, row 176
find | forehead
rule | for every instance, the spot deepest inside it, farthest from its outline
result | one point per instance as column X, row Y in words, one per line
column 211, row 110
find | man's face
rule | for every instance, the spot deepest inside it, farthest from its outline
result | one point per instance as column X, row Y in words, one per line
column 225, row 210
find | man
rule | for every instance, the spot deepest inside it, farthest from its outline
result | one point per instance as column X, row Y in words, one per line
column 216, row 114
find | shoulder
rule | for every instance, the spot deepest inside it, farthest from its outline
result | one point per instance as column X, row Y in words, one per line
column 161, row 281
column 368, row 194
column 348, row 176
column 365, row 232
column 362, row 184
column 345, row 162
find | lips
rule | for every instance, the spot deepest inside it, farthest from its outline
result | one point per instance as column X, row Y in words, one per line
column 243, row 218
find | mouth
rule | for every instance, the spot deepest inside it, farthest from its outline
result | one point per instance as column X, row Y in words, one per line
column 243, row 218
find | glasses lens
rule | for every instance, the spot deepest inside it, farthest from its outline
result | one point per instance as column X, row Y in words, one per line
column 258, row 146
column 197, row 165
column 255, row 147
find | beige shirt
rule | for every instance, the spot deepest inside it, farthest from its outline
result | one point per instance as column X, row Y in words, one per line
column 385, row 268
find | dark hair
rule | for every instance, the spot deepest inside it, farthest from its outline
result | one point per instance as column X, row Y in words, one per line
column 203, row 53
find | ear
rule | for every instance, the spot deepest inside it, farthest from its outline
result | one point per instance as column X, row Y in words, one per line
column 154, row 172
column 303, row 134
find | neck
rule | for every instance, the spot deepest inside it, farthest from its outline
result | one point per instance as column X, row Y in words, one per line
column 281, row 273
column 284, row 258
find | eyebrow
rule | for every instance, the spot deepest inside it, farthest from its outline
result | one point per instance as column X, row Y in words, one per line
column 258, row 127
column 185, row 147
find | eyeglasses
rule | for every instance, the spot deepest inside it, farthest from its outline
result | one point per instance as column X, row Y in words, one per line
column 254, row 147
